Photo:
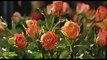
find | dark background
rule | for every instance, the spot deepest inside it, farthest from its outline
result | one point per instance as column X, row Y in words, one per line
column 7, row 8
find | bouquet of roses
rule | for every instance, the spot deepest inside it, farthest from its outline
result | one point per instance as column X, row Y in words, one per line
column 52, row 33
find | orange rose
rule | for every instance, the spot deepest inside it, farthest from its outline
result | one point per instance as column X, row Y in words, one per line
column 33, row 28
column 31, row 23
column 48, row 40
column 102, row 37
column 20, row 41
column 101, row 13
column 70, row 29
column 82, row 7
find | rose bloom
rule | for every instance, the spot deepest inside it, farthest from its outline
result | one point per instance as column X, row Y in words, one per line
column 70, row 29
column 82, row 7
column 102, row 37
column 16, row 16
column 31, row 23
column 57, row 7
column 20, row 41
column 103, row 24
column 48, row 40
column 33, row 28
column 35, row 15
column 101, row 13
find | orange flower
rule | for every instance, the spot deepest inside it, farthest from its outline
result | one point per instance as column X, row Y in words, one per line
column 82, row 7
column 48, row 40
column 33, row 28
column 70, row 29
column 102, row 37
column 20, row 41
column 101, row 13
column 103, row 24
column 35, row 15
column 31, row 23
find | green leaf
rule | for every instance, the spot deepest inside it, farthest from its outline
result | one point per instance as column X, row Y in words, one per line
column 64, row 54
column 50, row 21
column 11, row 41
column 91, row 35
column 9, row 54
column 37, row 54
column 79, row 39
column 40, row 22
column 31, row 45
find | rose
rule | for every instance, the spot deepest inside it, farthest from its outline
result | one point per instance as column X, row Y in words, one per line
column 100, row 13
column 20, row 41
column 102, row 37
column 48, row 40
column 57, row 7
column 70, row 29
column 33, row 28
column 31, row 23
column 66, row 7
column 16, row 16
column 35, row 15
column 82, row 7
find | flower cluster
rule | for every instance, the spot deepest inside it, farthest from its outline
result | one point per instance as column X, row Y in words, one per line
column 83, row 36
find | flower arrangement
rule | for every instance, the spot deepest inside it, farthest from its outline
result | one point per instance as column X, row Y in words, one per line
column 82, row 37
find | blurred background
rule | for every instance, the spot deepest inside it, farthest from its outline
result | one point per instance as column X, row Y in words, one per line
column 24, row 8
